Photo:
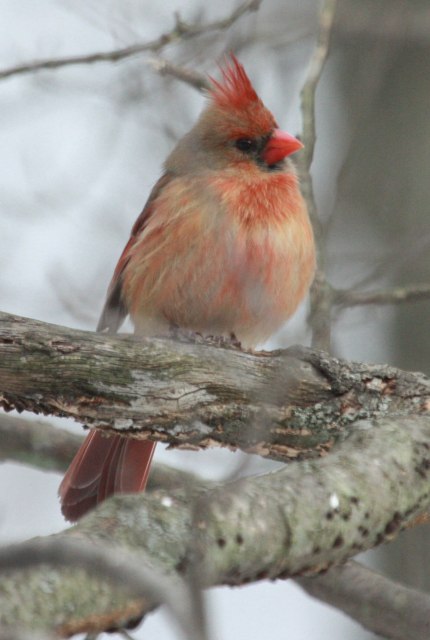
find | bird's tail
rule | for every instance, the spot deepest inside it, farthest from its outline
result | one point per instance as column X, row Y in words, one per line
column 103, row 466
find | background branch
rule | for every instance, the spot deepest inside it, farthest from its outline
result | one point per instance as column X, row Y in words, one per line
column 36, row 443
column 320, row 317
column 396, row 295
column 180, row 31
column 296, row 521
column 191, row 77
column 44, row 446
column 380, row 605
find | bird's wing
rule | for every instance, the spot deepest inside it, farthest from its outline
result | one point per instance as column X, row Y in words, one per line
column 115, row 310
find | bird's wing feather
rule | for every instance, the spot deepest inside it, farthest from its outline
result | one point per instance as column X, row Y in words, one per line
column 115, row 309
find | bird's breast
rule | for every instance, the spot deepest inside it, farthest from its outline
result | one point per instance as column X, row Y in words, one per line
column 233, row 256
column 270, row 249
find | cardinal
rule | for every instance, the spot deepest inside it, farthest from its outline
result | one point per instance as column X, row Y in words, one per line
column 222, row 247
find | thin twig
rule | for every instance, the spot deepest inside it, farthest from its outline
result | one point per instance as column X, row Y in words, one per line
column 189, row 76
column 180, row 31
column 411, row 293
column 316, row 66
column 321, row 292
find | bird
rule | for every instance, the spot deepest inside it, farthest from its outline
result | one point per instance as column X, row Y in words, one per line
column 223, row 247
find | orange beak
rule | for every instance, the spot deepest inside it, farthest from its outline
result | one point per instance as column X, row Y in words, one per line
column 279, row 146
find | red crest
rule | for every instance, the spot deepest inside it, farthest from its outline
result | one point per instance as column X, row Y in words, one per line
column 235, row 90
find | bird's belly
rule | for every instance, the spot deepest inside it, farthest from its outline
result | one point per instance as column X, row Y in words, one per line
column 247, row 285
column 261, row 287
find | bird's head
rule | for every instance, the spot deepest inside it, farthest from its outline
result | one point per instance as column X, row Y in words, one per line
column 235, row 128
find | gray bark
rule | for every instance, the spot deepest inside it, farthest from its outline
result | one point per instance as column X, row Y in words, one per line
column 298, row 521
column 290, row 404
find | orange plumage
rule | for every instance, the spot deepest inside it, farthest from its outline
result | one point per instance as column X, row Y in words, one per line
column 223, row 246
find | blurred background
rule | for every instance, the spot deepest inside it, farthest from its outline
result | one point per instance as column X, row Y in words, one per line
column 81, row 146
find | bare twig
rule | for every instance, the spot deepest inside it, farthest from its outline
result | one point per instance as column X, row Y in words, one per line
column 321, row 291
column 140, row 578
column 189, row 76
column 383, row 606
column 180, row 31
column 410, row 293
column 316, row 66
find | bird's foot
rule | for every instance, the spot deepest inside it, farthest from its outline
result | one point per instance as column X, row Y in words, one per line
column 186, row 335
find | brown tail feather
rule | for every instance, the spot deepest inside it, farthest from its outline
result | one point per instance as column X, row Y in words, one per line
column 101, row 467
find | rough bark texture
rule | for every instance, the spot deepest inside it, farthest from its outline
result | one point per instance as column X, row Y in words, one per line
column 286, row 404
column 297, row 403
column 297, row 521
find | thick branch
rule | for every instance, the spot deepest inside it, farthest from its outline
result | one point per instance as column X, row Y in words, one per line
column 42, row 445
column 296, row 521
column 143, row 582
column 181, row 31
column 286, row 404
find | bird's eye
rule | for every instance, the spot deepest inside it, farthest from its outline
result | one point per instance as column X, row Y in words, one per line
column 247, row 145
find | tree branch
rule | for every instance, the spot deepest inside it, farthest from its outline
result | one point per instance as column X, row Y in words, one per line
column 15, row 634
column 43, row 446
column 180, row 31
column 316, row 66
column 380, row 605
column 36, row 443
column 396, row 295
column 293, row 522
column 191, row 77
column 143, row 582
column 321, row 290
column 285, row 404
